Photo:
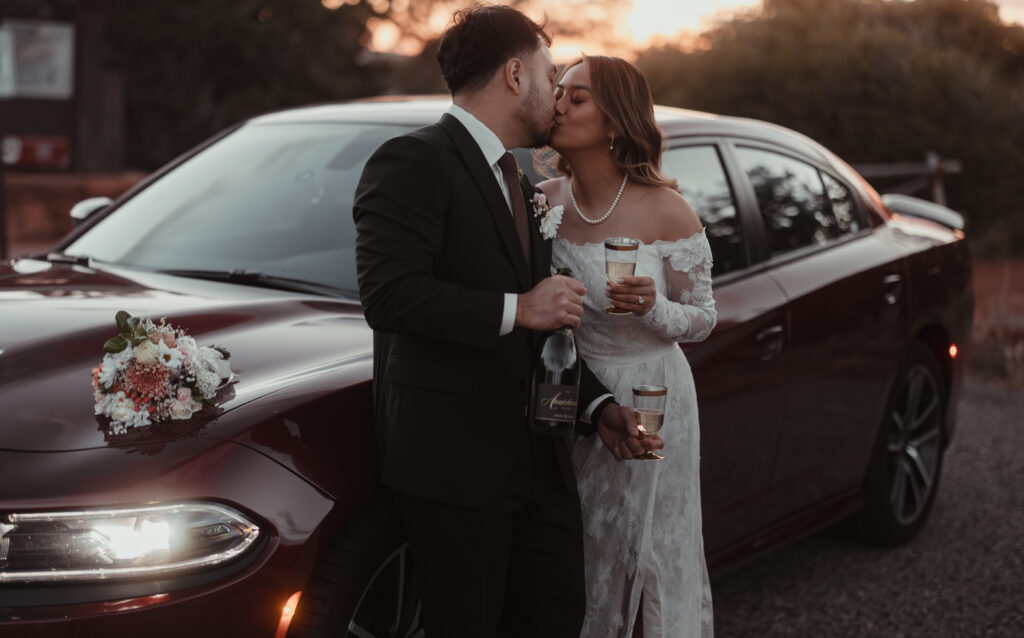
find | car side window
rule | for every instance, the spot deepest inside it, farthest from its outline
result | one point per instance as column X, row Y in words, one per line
column 704, row 184
column 792, row 199
column 842, row 205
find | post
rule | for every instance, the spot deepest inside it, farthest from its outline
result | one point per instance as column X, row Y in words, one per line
column 3, row 214
column 935, row 175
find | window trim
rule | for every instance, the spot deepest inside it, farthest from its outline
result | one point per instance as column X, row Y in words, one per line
column 752, row 225
column 717, row 143
column 767, row 258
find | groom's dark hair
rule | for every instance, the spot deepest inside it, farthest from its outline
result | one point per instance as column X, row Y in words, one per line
column 480, row 40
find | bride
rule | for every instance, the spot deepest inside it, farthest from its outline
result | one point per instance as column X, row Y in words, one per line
column 642, row 520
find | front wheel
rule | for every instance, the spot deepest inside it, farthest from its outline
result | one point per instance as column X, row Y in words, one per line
column 903, row 474
column 364, row 587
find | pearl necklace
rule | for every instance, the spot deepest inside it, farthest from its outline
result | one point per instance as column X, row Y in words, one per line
column 600, row 219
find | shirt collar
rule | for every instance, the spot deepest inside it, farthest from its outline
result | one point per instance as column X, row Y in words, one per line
column 484, row 137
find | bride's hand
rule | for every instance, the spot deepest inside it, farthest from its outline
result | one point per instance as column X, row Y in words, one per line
column 637, row 294
column 617, row 429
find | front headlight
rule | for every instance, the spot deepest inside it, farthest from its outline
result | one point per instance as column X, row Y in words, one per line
column 110, row 544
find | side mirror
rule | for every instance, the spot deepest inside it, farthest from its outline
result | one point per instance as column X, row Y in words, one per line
column 86, row 208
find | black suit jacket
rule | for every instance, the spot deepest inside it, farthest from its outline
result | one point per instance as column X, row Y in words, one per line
column 436, row 251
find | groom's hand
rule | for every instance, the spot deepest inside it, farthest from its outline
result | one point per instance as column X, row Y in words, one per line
column 555, row 302
column 617, row 429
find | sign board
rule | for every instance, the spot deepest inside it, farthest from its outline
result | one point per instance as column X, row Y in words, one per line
column 37, row 59
column 6, row 63
column 35, row 151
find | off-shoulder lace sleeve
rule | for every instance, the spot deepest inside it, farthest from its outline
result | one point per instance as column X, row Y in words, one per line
column 686, row 311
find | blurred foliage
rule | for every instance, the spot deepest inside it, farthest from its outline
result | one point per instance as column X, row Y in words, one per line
column 194, row 67
column 876, row 81
column 38, row 10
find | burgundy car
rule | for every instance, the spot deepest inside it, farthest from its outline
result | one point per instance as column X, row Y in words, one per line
column 827, row 390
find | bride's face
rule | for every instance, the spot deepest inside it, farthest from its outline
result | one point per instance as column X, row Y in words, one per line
column 579, row 124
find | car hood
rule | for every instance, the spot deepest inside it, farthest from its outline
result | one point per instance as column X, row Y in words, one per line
column 55, row 318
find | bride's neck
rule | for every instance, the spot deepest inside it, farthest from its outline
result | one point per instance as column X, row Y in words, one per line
column 595, row 176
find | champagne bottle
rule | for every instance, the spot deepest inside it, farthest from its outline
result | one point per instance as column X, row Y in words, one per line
column 556, row 381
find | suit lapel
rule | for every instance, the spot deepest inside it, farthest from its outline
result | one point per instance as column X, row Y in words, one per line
column 482, row 174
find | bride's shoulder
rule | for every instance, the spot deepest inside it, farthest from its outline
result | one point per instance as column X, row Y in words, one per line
column 554, row 187
column 671, row 214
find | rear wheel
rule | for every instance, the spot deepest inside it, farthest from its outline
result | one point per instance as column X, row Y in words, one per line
column 903, row 475
column 365, row 586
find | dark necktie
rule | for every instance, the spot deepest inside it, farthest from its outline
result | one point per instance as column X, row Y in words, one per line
column 510, row 171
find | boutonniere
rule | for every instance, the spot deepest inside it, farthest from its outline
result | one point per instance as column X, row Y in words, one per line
column 549, row 217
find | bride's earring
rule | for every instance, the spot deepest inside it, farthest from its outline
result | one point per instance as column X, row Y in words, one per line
column 611, row 141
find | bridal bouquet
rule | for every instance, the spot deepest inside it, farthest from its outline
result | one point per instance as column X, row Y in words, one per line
column 155, row 372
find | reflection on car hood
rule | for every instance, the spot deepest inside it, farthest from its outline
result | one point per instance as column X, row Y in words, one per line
column 54, row 319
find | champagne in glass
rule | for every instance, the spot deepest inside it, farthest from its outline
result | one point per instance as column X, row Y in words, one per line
column 620, row 255
column 649, row 412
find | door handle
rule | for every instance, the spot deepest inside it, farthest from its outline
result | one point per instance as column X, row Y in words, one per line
column 770, row 339
column 892, row 288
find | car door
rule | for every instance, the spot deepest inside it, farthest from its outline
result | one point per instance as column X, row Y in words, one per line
column 737, row 370
column 843, row 337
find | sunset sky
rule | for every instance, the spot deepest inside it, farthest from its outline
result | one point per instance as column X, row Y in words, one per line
column 651, row 18
column 647, row 22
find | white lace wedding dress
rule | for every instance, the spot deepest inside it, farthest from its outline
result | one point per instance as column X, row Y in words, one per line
column 642, row 519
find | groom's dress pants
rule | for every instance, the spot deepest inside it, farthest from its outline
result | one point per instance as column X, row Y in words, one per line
column 511, row 568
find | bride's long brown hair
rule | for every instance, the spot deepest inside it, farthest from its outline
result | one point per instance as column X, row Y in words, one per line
column 622, row 94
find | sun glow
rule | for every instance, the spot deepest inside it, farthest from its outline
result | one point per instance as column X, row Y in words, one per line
column 646, row 23
column 659, row 19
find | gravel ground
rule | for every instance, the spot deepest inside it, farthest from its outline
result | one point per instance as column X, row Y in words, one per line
column 962, row 576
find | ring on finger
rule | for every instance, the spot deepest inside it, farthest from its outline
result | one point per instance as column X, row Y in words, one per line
column 640, row 299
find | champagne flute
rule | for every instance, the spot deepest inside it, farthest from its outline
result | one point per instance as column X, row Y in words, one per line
column 620, row 255
column 649, row 413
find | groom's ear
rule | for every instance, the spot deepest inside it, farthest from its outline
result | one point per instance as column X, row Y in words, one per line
column 513, row 74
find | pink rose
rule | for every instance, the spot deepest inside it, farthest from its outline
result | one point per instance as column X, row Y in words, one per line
column 184, row 395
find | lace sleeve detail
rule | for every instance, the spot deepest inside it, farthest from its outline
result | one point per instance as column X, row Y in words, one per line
column 687, row 312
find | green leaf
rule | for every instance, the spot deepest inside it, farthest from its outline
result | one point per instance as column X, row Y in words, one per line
column 115, row 344
column 122, row 318
column 223, row 351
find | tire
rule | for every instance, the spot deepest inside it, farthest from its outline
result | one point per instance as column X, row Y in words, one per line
column 364, row 586
column 903, row 473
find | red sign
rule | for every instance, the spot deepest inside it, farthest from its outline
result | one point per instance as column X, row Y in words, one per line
column 36, row 151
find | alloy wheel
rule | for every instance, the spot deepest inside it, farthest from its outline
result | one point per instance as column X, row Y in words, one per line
column 390, row 606
column 914, row 444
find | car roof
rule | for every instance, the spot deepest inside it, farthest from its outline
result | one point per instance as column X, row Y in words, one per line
column 412, row 110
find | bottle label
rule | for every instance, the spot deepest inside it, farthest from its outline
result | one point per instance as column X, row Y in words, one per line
column 556, row 403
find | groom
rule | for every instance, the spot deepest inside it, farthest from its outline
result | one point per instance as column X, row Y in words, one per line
column 453, row 276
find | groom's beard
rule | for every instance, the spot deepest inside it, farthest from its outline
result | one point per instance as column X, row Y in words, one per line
column 537, row 117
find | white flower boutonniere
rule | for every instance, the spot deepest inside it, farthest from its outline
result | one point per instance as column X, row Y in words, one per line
column 549, row 217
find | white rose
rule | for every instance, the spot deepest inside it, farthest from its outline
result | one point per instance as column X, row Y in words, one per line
column 123, row 410
column 147, row 353
column 181, row 410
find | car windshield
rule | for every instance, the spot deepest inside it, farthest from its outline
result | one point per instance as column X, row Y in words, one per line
column 274, row 199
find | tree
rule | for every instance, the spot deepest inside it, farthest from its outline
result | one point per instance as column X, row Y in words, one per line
column 875, row 81
column 194, row 67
